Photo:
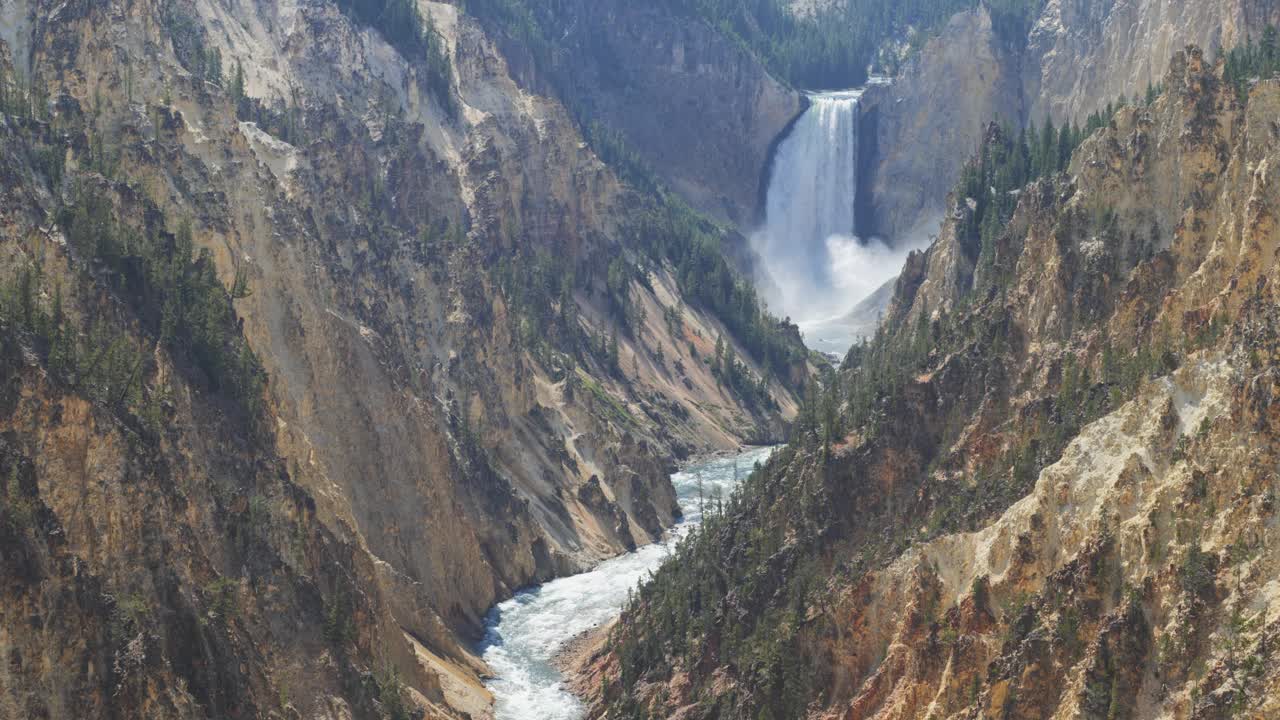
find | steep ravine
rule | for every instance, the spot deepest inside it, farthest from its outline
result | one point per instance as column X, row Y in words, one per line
column 317, row 341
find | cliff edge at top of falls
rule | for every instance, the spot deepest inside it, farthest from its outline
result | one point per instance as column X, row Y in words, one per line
column 320, row 337
column 1047, row 489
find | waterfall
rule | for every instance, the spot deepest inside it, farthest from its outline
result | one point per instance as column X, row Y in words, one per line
column 813, row 269
column 812, row 189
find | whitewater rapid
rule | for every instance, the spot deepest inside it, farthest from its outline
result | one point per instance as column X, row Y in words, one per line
column 525, row 633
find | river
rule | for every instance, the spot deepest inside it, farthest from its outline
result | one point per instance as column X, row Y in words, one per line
column 525, row 633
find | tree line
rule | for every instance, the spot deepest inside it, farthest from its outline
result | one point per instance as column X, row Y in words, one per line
column 832, row 47
column 1252, row 61
column 1007, row 161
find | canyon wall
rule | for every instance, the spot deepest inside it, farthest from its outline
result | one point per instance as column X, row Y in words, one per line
column 1082, row 54
column 696, row 108
column 1078, row 56
column 473, row 378
column 920, row 130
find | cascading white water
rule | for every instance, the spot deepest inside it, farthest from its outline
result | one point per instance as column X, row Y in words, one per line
column 813, row 269
column 811, row 196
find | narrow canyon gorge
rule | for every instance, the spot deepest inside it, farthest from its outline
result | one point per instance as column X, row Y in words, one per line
column 571, row 359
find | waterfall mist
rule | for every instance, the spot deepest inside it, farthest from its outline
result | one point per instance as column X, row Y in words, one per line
column 817, row 271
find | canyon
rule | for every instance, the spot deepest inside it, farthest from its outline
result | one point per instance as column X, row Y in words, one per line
column 327, row 345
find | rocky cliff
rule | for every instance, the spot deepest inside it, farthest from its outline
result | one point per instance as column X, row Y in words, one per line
column 692, row 106
column 1075, row 57
column 919, row 130
column 320, row 340
column 1085, row 54
column 1045, row 491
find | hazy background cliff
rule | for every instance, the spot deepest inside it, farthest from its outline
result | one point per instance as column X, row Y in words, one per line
column 1061, row 63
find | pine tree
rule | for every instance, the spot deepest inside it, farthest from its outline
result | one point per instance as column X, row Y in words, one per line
column 27, row 297
column 61, row 346
column 1065, row 145
column 213, row 66
column 567, row 305
column 1032, row 139
column 237, row 89
column 1049, row 148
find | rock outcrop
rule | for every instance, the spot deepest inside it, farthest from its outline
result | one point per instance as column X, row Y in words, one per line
column 1083, row 55
column 919, row 130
